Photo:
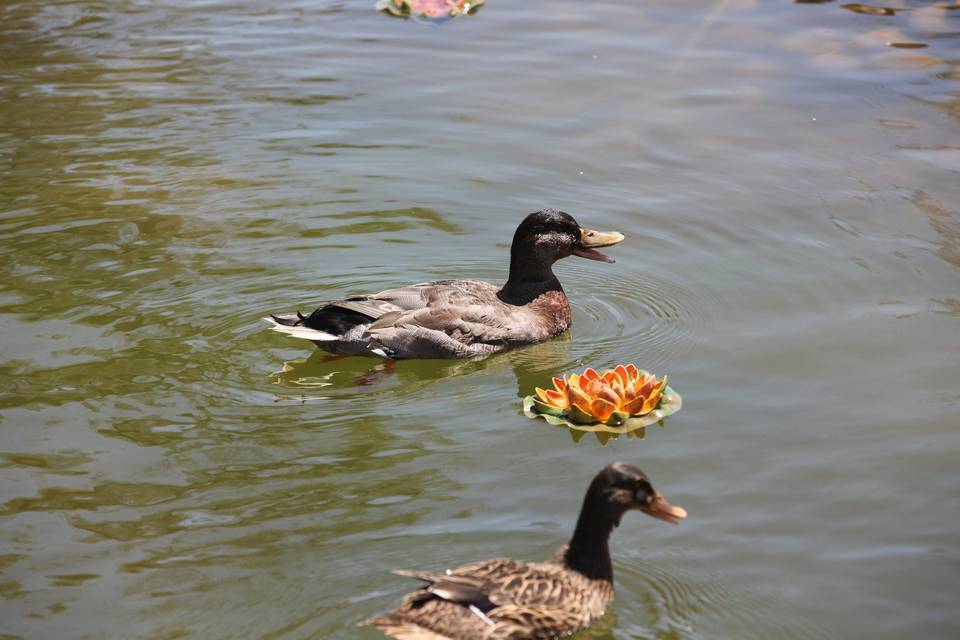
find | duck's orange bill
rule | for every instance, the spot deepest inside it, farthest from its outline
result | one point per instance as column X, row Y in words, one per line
column 661, row 509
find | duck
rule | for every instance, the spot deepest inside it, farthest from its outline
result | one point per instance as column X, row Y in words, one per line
column 503, row 599
column 460, row 318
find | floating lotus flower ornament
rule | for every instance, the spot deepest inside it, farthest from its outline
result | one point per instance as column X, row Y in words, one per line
column 624, row 396
column 429, row 10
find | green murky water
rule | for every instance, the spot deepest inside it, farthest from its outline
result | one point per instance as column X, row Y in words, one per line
column 789, row 186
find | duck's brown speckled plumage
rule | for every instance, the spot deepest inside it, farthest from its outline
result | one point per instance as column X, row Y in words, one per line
column 500, row 599
column 460, row 318
column 531, row 600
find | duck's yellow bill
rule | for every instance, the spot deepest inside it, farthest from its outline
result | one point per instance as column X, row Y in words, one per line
column 590, row 240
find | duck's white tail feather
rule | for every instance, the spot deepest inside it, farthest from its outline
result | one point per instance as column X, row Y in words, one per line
column 300, row 331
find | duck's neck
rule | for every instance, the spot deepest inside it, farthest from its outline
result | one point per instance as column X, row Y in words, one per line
column 530, row 277
column 588, row 552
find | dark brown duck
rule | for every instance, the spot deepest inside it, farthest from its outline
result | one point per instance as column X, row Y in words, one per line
column 506, row 599
column 461, row 318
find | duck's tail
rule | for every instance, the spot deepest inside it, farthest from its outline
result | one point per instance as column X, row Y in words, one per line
column 291, row 325
column 401, row 629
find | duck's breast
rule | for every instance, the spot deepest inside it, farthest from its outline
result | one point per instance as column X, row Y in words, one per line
column 549, row 315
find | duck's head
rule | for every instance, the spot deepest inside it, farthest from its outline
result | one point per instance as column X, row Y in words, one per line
column 622, row 487
column 549, row 235
column 618, row 488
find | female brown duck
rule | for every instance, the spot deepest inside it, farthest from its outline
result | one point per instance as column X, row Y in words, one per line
column 461, row 318
column 506, row 599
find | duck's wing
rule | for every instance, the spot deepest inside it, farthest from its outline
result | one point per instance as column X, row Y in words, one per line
column 511, row 582
column 499, row 582
column 368, row 308
column 522, row 622
column 535, row 600
column 440, row 332
column 447, row 319
column 469, row 591
column 496, row 599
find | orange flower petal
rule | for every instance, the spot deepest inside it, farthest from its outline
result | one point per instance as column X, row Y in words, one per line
column 634, row 407
column 549, row 396
column 651, row 403
column 602, row 410
column 632, row 370
column 662, row 385
column 621, row 372
column 591, row 374
column 576, row 396
column 610, row 396
column 560, row 384
column 556, row 398
column 648, row 386
column 584, row 407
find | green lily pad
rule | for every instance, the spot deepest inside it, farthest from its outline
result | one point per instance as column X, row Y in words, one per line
column 670, row 403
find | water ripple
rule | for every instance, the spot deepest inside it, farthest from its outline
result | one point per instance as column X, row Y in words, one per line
column 650, row 317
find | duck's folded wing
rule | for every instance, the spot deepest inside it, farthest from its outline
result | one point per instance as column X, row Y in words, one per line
column 465, row 590
column 410, row 298
column 522, row 622
column 443, row 293
column 369, row 307
column 496, row 599
column 402, row 340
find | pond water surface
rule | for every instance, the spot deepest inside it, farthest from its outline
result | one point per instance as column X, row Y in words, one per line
column 789, row 185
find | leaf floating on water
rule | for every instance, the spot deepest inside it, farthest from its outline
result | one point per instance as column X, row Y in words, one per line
column 908, row 45
column 856, row 7
column 435, row 11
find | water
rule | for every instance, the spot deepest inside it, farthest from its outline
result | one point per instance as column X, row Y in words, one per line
column 172, row 171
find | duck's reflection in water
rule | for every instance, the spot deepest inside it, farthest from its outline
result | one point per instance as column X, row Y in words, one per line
column 322, row 376
column 306, row 377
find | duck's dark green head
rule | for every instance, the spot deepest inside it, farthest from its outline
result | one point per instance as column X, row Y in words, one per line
column 549, row 235
column 623, row 487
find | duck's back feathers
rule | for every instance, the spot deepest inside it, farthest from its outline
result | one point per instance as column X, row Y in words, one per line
column 498, row 599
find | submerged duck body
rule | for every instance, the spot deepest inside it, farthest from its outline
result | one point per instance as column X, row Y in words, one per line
column 500, row 599
column 460, row 318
